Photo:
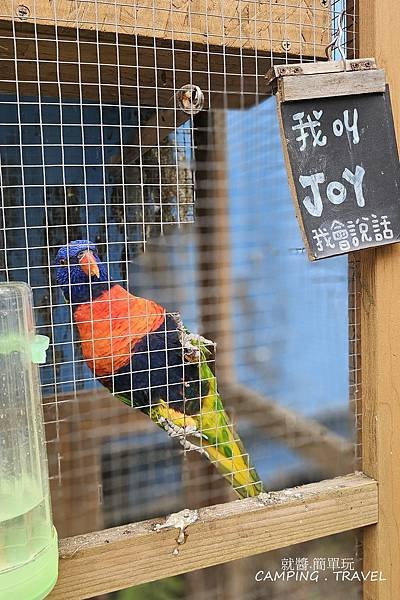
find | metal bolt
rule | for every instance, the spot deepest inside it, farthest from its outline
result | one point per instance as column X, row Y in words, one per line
column 286, row 45
column 190, row 99
column 23, row 12
column 324, row 3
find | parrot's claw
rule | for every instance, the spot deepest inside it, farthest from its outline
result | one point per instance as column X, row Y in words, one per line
column 204, row 340
column 174, row 431
column 191, row 341
column 189, row 446
column 194, row 339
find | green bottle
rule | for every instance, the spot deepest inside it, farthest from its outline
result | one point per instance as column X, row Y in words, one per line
column 28, row 540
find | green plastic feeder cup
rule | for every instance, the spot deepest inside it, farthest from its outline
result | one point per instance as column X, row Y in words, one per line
column 28, row 540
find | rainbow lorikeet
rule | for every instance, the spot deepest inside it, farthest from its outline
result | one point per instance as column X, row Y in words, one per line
column 147, row 358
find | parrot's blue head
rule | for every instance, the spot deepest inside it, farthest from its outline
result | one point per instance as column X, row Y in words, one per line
column 80, row 272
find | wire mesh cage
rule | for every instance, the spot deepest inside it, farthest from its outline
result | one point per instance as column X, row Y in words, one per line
column 144, row 131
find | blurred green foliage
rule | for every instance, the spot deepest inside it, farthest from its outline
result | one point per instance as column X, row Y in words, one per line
column 171, row 588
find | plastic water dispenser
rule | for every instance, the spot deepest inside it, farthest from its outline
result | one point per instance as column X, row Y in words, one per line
column 28, row 540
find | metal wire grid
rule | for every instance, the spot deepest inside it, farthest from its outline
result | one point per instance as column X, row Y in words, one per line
column 75, row 127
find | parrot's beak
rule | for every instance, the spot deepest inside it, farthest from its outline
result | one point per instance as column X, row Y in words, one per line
column 89, row 265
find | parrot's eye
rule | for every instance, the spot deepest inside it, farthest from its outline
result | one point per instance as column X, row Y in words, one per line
column 63, row 261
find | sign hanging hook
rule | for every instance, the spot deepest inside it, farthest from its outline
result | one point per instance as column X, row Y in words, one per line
column 338, row 40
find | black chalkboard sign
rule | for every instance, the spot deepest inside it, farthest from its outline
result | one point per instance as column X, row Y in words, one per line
column 343, row 163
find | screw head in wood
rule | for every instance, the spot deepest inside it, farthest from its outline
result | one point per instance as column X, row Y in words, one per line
column 22, row 12
column 324, row 3
column 286, row 45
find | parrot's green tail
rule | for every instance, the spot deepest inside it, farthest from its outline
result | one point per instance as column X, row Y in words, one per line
column 232, row 461
column 226, row 451
column 211, row 433
column 222, row 443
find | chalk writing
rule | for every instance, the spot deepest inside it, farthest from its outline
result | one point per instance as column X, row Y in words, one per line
column 312, row 125
column 340, row 126
column 336, row 192
column 345, row 171
column 353, row 233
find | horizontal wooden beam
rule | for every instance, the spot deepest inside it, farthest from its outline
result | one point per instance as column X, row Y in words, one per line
column 318, row 68
column 130, row 53
column 136, row 71
column 108, row 52
column 137, row 553
column 245, row 24
column 328, row 85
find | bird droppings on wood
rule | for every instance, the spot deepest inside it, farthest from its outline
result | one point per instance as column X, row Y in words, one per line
column 270, row 498
column 297, row 493
column 179, row 520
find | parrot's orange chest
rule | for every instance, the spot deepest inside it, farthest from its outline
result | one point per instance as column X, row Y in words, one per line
column 111, row 325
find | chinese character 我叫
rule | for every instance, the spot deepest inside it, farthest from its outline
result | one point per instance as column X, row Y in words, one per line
column 339, row 126
column 308, row 127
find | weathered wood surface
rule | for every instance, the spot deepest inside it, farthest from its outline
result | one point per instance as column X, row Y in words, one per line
column 72, row 49
column 379, row 284
column 318, row 68
column 328, row 85
column 264, row 25
column 134, row 54
column 137, row 71
column 124, row 556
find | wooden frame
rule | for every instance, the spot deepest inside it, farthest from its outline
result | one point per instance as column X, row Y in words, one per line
column 329, row 79
column 379, row 308
column 234, row 24
column 124, row 556
column 173, row 48
column 117, row 558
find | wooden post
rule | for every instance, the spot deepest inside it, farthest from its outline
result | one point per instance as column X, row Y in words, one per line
column 213, row 269
column 379, row 281
column 203, row 487
column 213, row 235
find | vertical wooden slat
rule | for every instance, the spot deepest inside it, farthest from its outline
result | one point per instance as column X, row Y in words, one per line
column 213, row 237
column 379, row 273
column 202, row 487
